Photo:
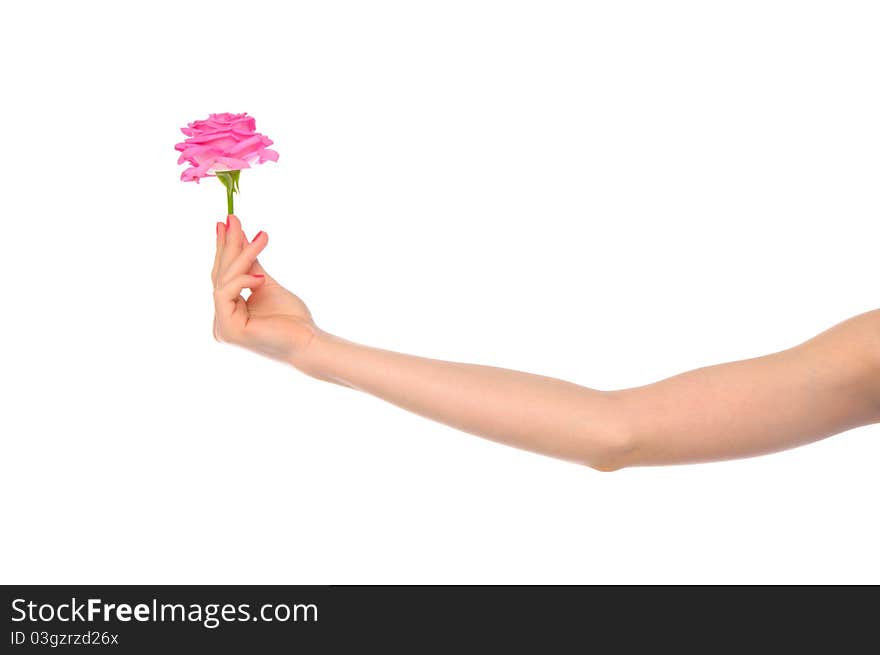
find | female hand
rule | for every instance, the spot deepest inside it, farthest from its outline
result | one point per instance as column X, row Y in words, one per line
column 272, row 321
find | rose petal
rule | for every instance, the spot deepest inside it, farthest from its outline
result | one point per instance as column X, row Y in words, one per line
column 267, row 155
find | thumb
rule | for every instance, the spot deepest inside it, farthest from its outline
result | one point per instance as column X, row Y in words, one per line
column 256, row 268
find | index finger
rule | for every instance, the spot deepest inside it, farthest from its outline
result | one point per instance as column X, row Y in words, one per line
column 218, row 253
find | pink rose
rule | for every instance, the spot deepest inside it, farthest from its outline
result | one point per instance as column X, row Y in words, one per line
column 222, row 142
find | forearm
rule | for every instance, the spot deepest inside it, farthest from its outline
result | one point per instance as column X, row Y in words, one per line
column 528, row 411
column 824, row 386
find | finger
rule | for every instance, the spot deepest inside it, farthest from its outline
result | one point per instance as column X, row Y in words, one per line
column 245, row 259
column 233, row 241
column 221, row 241
column 228, row 301
column 232, row 290
column 256, row 267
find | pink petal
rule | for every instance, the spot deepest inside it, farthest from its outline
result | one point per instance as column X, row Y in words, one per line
column 241, row 146
column 267, row 155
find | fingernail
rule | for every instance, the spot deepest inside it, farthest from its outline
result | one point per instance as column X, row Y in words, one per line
column 218, row 228
column 255, row 275
column 258, row 236
column 228, row 216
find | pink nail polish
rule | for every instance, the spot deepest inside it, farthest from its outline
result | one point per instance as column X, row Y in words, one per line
column 218, row 228
column 227, row 220
column 255, row 275
column 257, row 236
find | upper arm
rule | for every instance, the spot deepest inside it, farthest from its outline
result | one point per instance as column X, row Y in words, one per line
column 755, row 406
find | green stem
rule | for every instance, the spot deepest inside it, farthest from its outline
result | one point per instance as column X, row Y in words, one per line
column 230, row 181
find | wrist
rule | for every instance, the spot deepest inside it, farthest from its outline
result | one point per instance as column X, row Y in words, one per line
column 314, row 356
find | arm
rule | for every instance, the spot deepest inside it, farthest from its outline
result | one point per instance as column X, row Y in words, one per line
column 824, row 386
column 821, row 387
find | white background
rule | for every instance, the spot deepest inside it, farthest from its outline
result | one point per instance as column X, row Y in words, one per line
column 607, row 192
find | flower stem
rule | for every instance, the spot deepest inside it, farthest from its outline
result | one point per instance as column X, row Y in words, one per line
column 230, row 181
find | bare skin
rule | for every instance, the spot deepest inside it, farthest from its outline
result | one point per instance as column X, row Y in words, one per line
column 821, row 387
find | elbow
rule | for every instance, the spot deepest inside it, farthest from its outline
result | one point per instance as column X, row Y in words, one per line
column 614, row 453
column 614, row 447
